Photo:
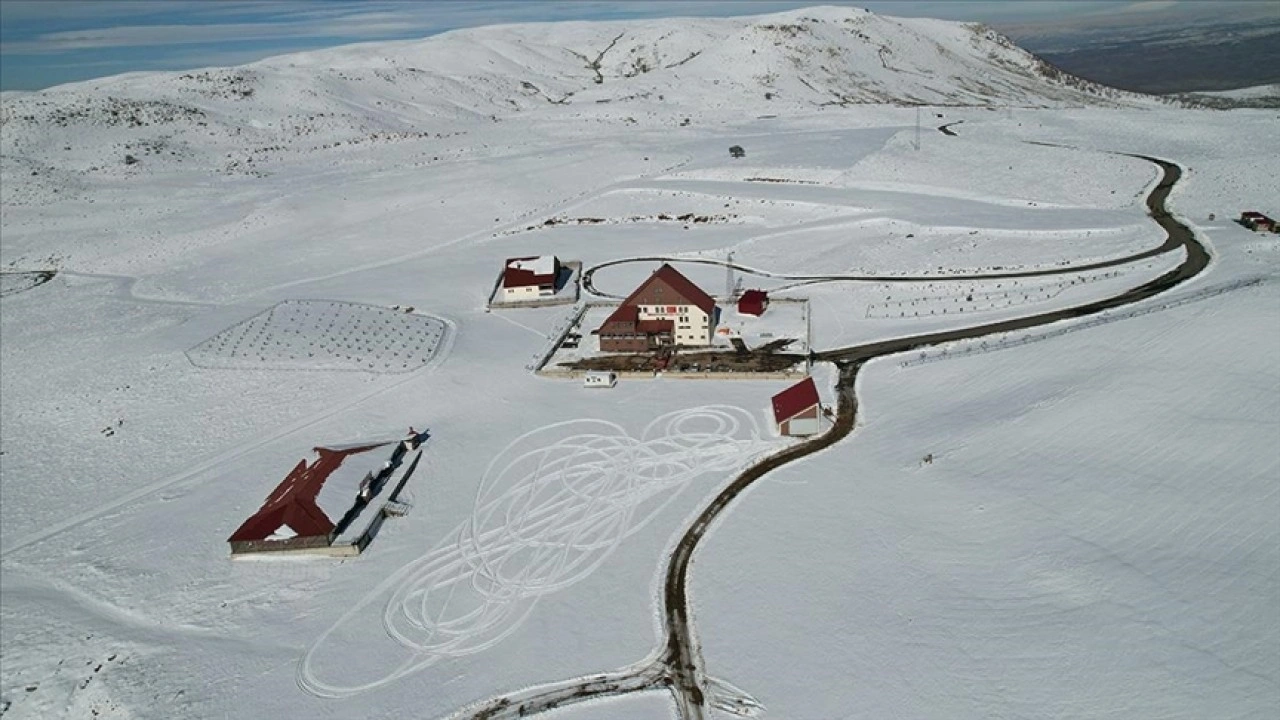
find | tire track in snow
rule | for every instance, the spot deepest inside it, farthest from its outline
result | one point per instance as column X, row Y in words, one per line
column 548, row 513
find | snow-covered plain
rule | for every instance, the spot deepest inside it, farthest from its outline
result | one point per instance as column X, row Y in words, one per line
column 1094, row 537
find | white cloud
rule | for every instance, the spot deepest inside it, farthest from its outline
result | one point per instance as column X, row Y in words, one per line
column 368, row 25
column 295, row 22
column 1150, row 5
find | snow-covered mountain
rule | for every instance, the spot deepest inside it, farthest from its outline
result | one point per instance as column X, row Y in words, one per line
column 644, row 73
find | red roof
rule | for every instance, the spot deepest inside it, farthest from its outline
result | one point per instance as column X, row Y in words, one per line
column 293, row 502
column 624, row 314
column 626, row 321
column 752, row 302
column 795, row 400
column 517, row 272
column 1252, row 214
column 683, row 287
column 655, row 327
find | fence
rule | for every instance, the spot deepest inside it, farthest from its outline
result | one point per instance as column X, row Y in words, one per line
column 974, row 347
column 556, row 337
column 568, row 294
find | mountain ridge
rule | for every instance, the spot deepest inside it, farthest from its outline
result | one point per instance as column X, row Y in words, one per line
column 647, row 73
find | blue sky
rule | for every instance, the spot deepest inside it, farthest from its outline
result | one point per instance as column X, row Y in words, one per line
column 49, row 42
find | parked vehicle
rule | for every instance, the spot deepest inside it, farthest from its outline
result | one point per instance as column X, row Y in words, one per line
column 599, row 379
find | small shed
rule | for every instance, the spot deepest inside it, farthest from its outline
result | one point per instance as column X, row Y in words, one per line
column 599, row 379
column 1257, row 221
column 797, row 410
column 737, row 151
column 753, row 302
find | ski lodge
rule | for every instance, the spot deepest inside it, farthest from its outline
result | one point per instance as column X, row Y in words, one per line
column 667, row 309
column 797, row 410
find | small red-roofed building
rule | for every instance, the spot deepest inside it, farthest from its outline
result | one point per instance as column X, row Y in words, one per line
column 667, row 309
column 797, row 410
column 1257, row 222
column 753, row 302
column 530, row 278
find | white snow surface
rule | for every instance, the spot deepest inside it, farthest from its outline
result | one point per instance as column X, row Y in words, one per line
column 1095, row 536
column 542, row 265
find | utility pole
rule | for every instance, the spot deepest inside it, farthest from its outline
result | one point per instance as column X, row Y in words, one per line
column 728, row 277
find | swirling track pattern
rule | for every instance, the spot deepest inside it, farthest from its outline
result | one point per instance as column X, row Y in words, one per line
column 551, row 509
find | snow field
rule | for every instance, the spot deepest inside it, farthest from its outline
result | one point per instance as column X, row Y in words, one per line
column 841, row 312
column 884, row 244
column 153, row 393
column 12, row 283
column 552, row 508
column 981, row 164
column 325, row 335
column 668, row 209
column 1089, row 532
column 1002, row 342
column 944, row 298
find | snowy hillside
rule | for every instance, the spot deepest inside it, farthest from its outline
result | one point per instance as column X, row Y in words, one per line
column 1258, row 96
column 246, row 120
column 1045, row 489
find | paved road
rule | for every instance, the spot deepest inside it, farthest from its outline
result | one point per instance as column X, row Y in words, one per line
column 682, row 657
column 679, row 667
column 1170, row 243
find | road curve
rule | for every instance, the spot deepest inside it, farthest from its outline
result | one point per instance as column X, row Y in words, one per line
column 679, row 666
column 1172, row 242
column 682, row 656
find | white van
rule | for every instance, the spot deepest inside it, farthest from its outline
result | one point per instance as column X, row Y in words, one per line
column 599, row 379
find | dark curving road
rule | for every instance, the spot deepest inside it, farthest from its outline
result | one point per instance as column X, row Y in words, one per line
column 679, row 667
column 682, row 655
column 588, row 283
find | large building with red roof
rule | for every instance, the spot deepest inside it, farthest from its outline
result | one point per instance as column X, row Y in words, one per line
column 291, row 519
column 667, row 309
